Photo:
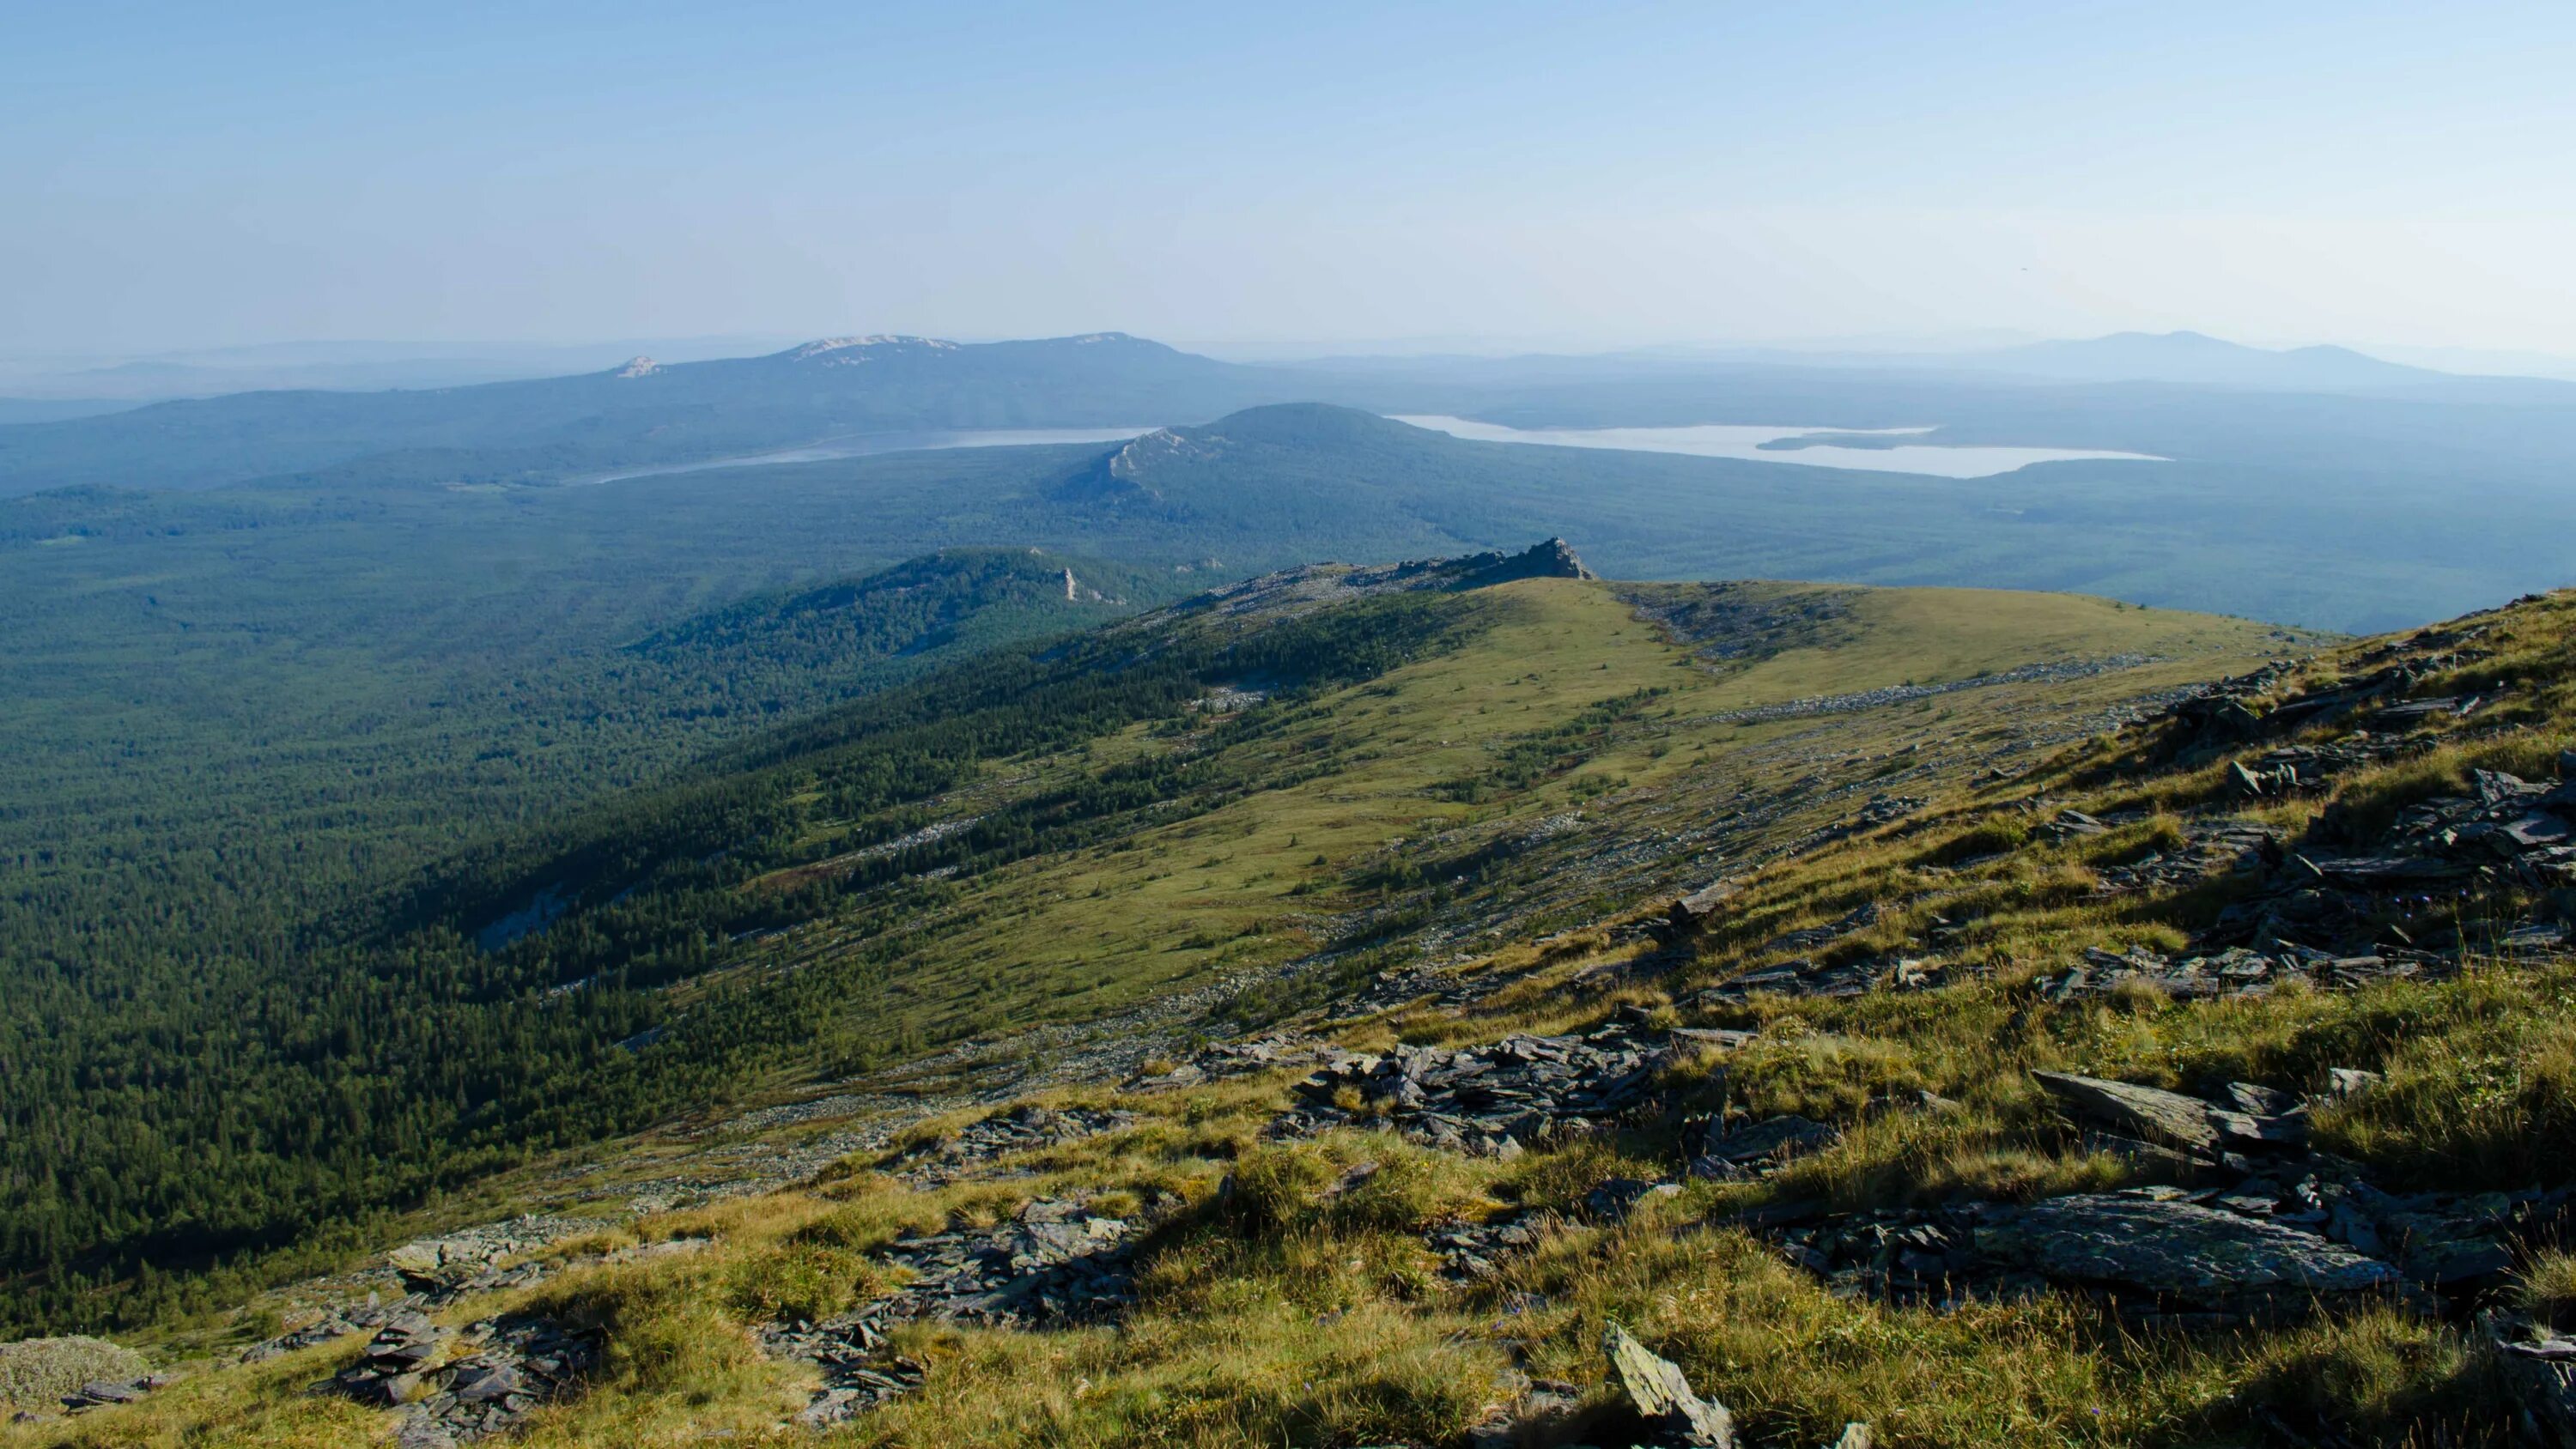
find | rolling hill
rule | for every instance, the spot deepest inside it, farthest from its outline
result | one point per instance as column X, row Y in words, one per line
column 911, row 825
column 1322, row 1010
column 2197, row 359
column 641, row 413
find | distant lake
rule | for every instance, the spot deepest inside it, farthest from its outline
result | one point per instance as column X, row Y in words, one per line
column 862, row 445
column 1727, row 440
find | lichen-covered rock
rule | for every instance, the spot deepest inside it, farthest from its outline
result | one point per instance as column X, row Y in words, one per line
column 1661, row 1394
column 2153, row 1113
column 2181, row 1253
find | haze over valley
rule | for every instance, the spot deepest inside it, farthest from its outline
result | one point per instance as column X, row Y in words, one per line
column 1504, row 729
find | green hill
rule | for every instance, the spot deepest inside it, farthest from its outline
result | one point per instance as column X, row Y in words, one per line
column 1318, row 1011
column 913, row 815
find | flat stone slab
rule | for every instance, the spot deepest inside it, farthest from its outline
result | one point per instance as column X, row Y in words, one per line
column 2180, row 1251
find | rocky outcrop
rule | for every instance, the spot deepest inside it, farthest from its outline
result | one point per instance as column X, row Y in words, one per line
column 469, row 1261
column 1302, row 590
column 453, row 1387
column 1697, row 911
column 858, row 1371
column 1554, row 559
column 1054, row 1261
column 504, row 1369
column 1225, row 1060
column 1496, row 1100
column 977, row 1147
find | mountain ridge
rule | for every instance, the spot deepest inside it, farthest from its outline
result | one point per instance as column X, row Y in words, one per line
column 1332, row 958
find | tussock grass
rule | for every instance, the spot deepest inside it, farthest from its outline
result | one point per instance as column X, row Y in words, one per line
column 36, row 1372
column 2546, row 1287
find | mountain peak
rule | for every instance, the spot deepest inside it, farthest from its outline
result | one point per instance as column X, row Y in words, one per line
column 639, row 367
column 838, row 351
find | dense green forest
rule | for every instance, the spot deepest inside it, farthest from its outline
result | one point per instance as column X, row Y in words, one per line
column 188, row 1093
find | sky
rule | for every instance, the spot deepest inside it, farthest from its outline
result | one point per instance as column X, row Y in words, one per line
column 1286, row 178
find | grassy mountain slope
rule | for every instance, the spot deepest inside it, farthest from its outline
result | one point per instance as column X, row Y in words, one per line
column 1322, row 791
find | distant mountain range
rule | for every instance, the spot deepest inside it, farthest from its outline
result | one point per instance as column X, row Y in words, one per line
column 641, row 412
column 2195, row 359
column 103, row 381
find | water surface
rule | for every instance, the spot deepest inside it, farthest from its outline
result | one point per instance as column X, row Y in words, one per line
column 862, row 445
column 1745, row 441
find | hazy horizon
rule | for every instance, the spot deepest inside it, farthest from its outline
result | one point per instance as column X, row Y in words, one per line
column 1634, row 175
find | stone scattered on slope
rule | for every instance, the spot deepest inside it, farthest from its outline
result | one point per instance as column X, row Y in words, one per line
column 859, row 1372
column 1614, row 1199
column 1055, row 1261
column 2450, row 1243
column 392, row 1370
column 974, row 1148
column 1697, row 911
column 1495, row 1100
column 1736, row 1152
column 2254, row 1118
column 469, row 1261
column 1224, row 1060
column 2538, row 1365
column 1661, row 1395
column 505, row 1369
column 2157, row 1115
column 1470, row 1251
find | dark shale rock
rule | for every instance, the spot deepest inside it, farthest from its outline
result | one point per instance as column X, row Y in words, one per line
column 1471, row 1252
column 1661, row 1395
column 1235, row 1059
column 974, row 1148
column 2538, row 1366
column 454, row 1388
column 1055, row 1261
column 1758, row 1148
column 1697, row 911
column 2180, row 1252
column 2170, row 1118
column 1493, row 1100
column 859, row 1372
column 1613, row 1200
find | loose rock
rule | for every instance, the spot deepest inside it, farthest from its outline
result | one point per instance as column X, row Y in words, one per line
column 1661, row 1394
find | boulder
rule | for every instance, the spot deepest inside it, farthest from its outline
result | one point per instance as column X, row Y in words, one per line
column 2153, row 1113
column 1617, row 1197
column 1697, row 911
column 1661, row 1394
column 1750, row 1151
column 2181, row 1253
column 2539, row 1369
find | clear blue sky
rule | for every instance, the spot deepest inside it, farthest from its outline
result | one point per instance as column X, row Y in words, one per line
column 1593, row 175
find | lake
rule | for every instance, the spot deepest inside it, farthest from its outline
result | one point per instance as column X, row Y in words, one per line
column 1731, row 440
column 861, row 445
